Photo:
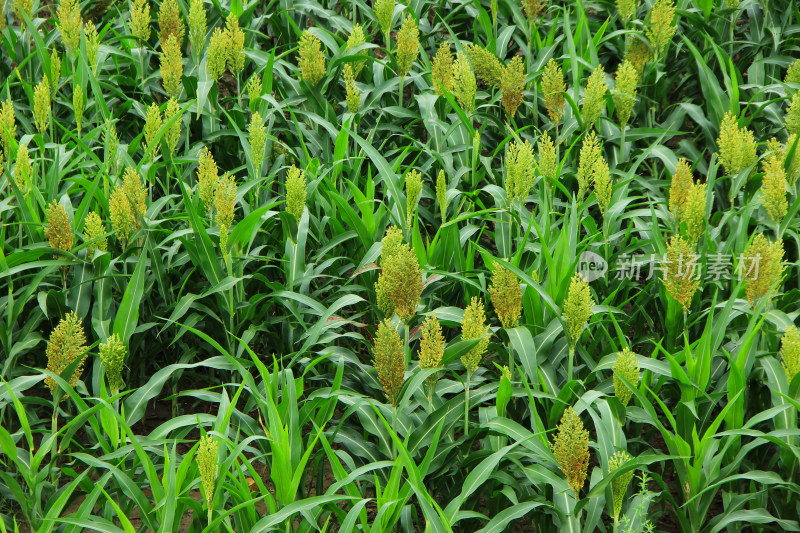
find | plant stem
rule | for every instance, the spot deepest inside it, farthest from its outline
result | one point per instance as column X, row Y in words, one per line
column 400, row 92
column 570, row 363
column 466, row 406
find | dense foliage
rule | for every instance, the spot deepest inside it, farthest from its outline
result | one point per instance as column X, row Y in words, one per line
column 477, row 265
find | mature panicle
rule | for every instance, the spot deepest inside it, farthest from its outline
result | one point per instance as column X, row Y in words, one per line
column 236, row 54
column 533, row 8
column 413, row 188
column 619, row 485
column 694, row 213
column 136, row 195
column 790, row 352
column 94, row 234
column 170, row 22
column 92, row 44
column 139, row 21
column 762, row 267
column 794, row 164
column 626, row 366
column 207, row 179
column 601, row 175
column 111, row 143
column 296, row 192
column 391, row 242
column 773, row 188
column 442, row 70
column 625, row 91
column 793, row 115
column 78, row 103
column 225, row 204
column 173, row 133
column 152, row 123
column 171, row 65
column 485, row 64
column 355, row 40
column 217, row 54
column 577, row 308
column 69, row 24
column 553, row 89
column 793, row 73
column 590, row 152
column 407, row 45
column 389, row 360
column 55, row 71
column 112, row 355
column 594, row 97
column 626, row 9
column 310, row 60
column 258, row 141
column 120, row 214
column 384, row 11
column 474, row 327
column 737, row 146
column 20, row 7
column 59, row 228
column 400, row 282
column 548, row 159
column 352, row 93
column 520, row 170
column 431, row 344
column 66, row 345
column 638, row 53
column 732, row 4
column 512, row 85
column 660, row 28
column 506, row 294
column 23, row 170
column 254, row 90
column 571, row 450
column 441, row 193
column 8, row 125
column 464, row 85
column 679, row 188
column 680, row 272
column 197, row 26
column 41, row 105
column 207, row 465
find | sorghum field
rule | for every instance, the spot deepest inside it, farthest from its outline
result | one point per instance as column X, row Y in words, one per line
column 433, row 266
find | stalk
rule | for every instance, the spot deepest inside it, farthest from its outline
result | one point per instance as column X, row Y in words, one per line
column 570, row 364
column 400, row 92
column 466, row 406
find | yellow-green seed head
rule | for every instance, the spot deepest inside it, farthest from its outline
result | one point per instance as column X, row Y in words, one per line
column 111, row 143
column 152, row 123
column 78, row 102
column 762, row 268
column 23, row 170
column 356, row 39
column 217, row 54
column 170, row 22
column 207, row 465
column 236, row 54
column 400, row 283
column 442, row 70
column 680, row 271
column 173, row 133
column 352, row 93
column 41, row 105
column 571, row 449
column 773, row 187
column 474, row 327
column 66, row 345
column 626, row 9
column 20, row 7
column 55, row 70
column 506, row 294
column 441, row 194
column 637, row 53
column 601, row 176
column 619, row 485
column 626, row 366
column 136, row 195
column 207, row 179
column 793, row 115
column 512, row 85
column 120, row 214
column 533, row 8
column 553, row 89
column 384, row 11
column 594, row 98
column 794, row 165
column 59, row 228
column 295, row 192
column 737, row 146
column 464, row 85
column 793, row 73
column 407, row 45
column 139, row 21
column 431, row 344
column 391, row 242
column 254, row 89
column 310, row 60
column 660, row 28
column 577, row 308
column 225, row 202
column 732, row 4
column 171, row 66
column 69, row 24
column 694, row 213
column 197, row 25
column 790, row 352
column 112, row 355
column 94, row 234
column 389, row 360
column 520, row 170
column 679, row 189
column 625, row 92
column 413, row 188
column 485, row 64
column 8, row 125
column 92, row 44
column 548, row 159
column 590, row 152
column 258, row 141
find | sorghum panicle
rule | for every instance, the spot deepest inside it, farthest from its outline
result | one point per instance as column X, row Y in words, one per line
column 520, row 170
column 763, row 267
column 601, row 175
column 571, row 449
column 23, row 170
column 224, row 205
column 625, row 91
column 59, row 227
column 171, row 65
column 793, row 115
column 773, row 187
column 41, row 105
column 173, row 133
column 112, row 355
column 627, row 9
column 111, row 143
column 236, row 54
column 553, row 89
column 207, row 179
column 794, row 165
column 170, row 22
column 389, row 245
column 136, row 195
column 355, row 40
column 352, row 93
column 67, row 344
column 626, row 366
column 512, row 85
column 413, row 188
column 94, row 234
column 407, row 45
column 442, row 70
column 485, row 65
column 680, row 271
column 258, row 141
column 400, row 281
column 217, row 57
column 679, row 188
column 310, row 60
column 197, row 26
column 694, row 212
column 139, row 21
column 92, row 44
column 55, row 71
column 619, row 485
column 590, row 152
column 207, row 464
column 70, row 24
column 20, row 7
column 384, row 12
column 660, row 28
column 474, row 327
column 577, row 308
column 295, row 192
column 594, row 97
column 548, row 159
column 152, row 123
column 506, row 294
column 389, row 360
column 254, row 90
column 8, row 125
column 793, row 73
column 464, row 85
column 637, row 53
column 533, row 8
column 431, row 344
column 737, row 146
column 790, row 352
